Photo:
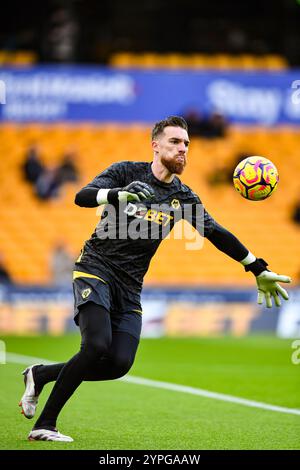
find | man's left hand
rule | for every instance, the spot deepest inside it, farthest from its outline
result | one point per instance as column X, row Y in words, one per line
column 268, row 287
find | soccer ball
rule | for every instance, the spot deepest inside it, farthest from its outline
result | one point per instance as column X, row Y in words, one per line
column 255, row 178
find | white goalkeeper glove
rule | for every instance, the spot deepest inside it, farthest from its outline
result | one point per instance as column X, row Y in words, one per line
column 268, row 287
column 267, row 281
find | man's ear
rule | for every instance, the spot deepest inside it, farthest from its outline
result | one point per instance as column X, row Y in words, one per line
column 155, row 145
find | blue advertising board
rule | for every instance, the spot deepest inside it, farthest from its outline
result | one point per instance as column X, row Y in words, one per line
column 100, row 94
column 166, row 311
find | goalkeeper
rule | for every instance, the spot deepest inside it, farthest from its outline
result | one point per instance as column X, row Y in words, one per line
column 109, row 272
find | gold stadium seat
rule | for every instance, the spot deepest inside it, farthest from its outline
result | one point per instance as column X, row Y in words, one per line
column 31, row 228
column 24, row 58
column 122, row 59
column 18, row 58
column 274, row 62
column 197, row 61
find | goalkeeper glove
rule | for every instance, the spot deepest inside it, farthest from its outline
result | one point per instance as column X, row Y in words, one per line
column 267, row 283
column 136, row 191
column 268, row 287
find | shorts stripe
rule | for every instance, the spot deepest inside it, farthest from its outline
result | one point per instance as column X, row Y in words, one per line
column 138, row 311
column 77, row 274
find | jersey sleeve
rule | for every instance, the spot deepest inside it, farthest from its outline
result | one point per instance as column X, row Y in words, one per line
column 112, row 177
column 199, row 218
column 220, row 237
column 228, row 243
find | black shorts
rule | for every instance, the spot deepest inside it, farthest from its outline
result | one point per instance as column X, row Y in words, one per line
column 124, row 306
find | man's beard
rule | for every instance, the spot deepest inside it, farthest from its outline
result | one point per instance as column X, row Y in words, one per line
column 173, row 166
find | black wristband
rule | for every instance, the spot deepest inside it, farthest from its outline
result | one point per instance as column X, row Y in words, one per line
column 257, row 267
column 112, row 196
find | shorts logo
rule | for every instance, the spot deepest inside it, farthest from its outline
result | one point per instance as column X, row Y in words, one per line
column 175, row 203
column 85, row 293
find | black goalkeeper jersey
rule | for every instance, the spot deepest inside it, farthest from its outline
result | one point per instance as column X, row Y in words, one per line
column 127, row 237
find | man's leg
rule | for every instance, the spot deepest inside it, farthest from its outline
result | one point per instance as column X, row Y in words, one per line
column 126, row 330
column 95, row 327
column 112, row 365
column 118, row 361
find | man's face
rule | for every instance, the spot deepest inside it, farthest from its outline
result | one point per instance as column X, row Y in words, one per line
column 171, row 147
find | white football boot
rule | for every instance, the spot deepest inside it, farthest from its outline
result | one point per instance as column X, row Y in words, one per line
column 46, row 435
column 29, row 399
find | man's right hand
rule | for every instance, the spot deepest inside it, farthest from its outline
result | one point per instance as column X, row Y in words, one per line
column 136, row 191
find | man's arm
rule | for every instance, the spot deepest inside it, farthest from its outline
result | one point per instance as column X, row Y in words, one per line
column 111, row 177
column 136, row 191
column 87, row 197
column 225, row 241
column 110, row 187
column 267, row 281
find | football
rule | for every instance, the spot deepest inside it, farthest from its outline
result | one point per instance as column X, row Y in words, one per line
column 255, row 178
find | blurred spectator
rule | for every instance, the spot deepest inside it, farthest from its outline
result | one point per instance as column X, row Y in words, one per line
column 61, row 264
column 47, row 181
column 216, row 126
column 236, row 40
column 32, row 167
column 61, row 40
column 5, row 277
column 296, row 213
column 196, row 123
column 211, row 127
column 223, row 172
column 67, row 171
column 48, row 184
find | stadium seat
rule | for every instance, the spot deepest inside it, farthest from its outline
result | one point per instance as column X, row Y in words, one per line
column 17, row 58
column 30, row 228
column 198, row 61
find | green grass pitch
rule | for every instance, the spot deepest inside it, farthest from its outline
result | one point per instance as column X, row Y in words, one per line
column 121, row 415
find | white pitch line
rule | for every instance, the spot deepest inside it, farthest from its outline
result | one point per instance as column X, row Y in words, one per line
column 27, row 360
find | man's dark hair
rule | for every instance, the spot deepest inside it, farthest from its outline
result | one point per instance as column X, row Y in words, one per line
column 175, row 121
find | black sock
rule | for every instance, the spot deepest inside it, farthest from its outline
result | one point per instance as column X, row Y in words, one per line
column 49, row 428
column 44, row 374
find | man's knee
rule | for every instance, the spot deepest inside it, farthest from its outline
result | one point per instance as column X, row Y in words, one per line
column 95, row 349
column 121, row 365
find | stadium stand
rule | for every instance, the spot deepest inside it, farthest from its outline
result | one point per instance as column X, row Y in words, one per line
column 17, row 58
column 30, row 228
column 199, row 61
